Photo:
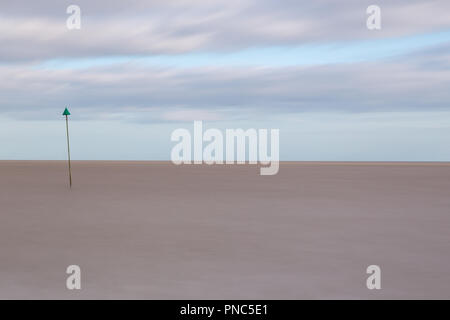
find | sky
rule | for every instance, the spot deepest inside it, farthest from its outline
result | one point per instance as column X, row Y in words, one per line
column 137, row 70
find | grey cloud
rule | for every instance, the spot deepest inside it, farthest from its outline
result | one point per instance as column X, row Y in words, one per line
column 159, row 94
column 431, row 58
column 36, row 30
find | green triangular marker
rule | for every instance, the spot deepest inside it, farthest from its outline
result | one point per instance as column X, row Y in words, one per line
column 67, row 113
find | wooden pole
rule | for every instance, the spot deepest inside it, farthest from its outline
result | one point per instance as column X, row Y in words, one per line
column 68, row 151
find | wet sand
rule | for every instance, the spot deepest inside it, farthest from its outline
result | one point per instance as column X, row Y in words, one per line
column 153, row 230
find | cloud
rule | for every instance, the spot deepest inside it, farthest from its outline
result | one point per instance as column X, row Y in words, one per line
column 33, row 34
column 143, row 93
column 192, row 115
column 37, row 30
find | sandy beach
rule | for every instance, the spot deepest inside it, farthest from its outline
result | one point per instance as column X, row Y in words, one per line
column 153, row 230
